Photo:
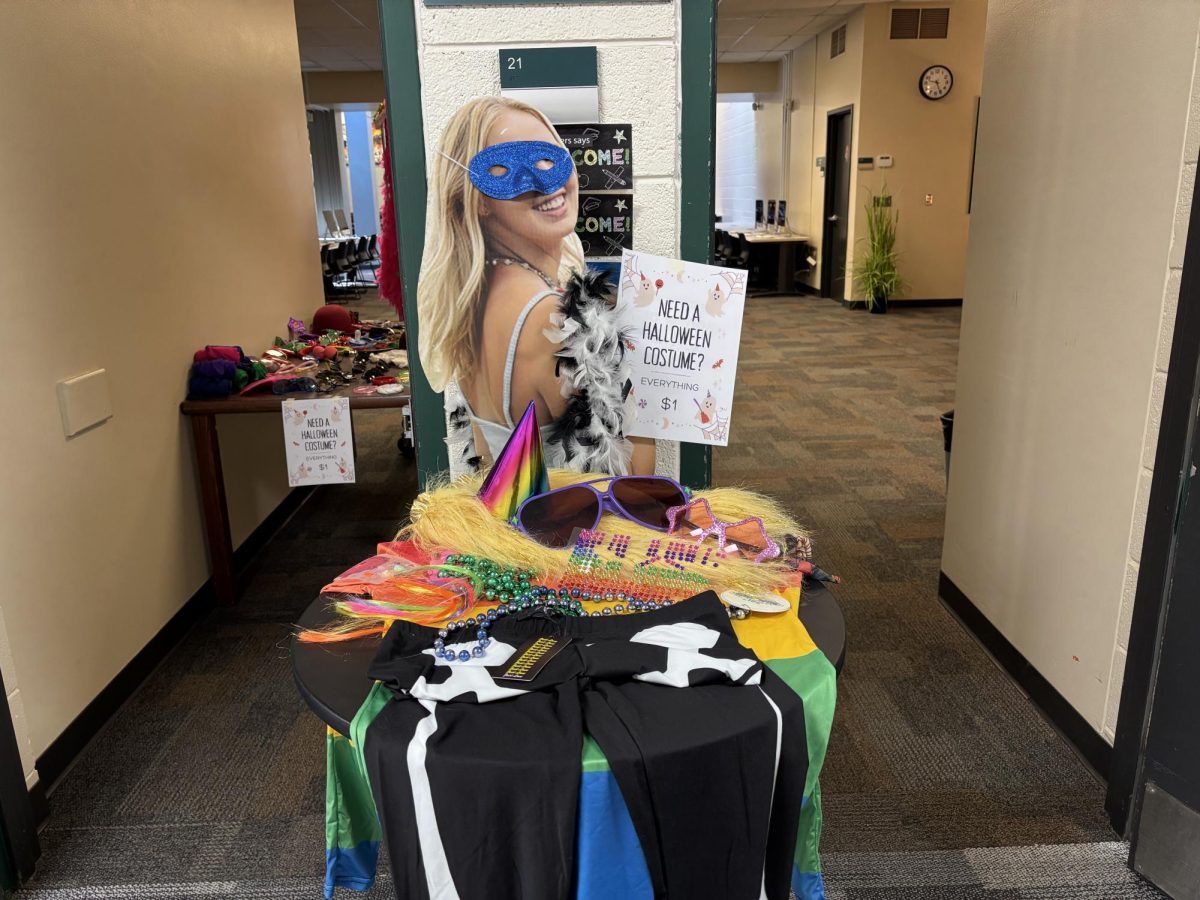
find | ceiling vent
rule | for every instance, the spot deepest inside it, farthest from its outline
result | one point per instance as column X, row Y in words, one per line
column 935, row 23
column 837, row 42
column 926, row 24
column 906, row 24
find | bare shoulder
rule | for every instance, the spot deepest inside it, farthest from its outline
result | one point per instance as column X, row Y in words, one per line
column 513, row 285
column 507, row 294
column 540, row 318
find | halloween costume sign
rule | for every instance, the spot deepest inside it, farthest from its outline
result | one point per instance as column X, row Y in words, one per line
column 683, row 323
column 319, row 441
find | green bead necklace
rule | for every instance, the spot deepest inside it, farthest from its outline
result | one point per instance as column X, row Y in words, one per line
column 493, row 582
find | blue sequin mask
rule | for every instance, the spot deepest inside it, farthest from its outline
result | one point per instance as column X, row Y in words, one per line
column 526, row 166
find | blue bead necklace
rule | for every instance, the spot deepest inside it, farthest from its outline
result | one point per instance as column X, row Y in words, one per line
column 563, row 601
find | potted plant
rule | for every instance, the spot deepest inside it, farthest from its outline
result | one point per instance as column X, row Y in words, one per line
column 875, row 268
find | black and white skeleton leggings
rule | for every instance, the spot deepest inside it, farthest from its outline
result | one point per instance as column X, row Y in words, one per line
column 477, row 779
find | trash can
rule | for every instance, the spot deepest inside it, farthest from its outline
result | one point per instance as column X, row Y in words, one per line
column 947, row 438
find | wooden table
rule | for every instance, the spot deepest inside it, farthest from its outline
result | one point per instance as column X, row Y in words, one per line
column 771, row 237
column 203, row 414
column 786, row 243
column 334, row 242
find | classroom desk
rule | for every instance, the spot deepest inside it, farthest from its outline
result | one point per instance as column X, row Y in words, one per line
column 785, row 242
column 334, row 242
column 772, row 237
column 203, row 414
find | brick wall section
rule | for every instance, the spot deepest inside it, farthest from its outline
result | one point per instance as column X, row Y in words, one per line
column 736, row 163
column 638, row 53
column 1158, row 385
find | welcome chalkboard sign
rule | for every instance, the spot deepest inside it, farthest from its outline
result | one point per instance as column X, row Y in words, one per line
column 603, row 155
column 605, row 224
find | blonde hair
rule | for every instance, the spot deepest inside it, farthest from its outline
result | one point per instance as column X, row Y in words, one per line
column 449, row 516
column 451, row 288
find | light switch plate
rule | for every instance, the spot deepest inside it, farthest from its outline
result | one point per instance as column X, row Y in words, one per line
column 84, row 401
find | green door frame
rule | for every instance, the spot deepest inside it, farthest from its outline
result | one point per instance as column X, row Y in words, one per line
column 697, row 155
column 397, row 22
column 406, row 130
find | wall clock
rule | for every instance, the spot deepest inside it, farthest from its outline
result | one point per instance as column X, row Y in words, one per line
column 935, row 82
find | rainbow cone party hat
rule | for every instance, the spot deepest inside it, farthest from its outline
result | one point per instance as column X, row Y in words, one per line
column 519, row 472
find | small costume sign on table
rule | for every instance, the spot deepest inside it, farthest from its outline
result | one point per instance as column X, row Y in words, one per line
column 319, row 441
column 684, row 322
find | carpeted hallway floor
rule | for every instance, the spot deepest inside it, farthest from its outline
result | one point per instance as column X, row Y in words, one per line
column 935, row 755
column 941, row 781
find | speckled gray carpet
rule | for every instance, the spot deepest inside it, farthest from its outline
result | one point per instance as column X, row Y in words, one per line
column 837, row 414
column 941, row 781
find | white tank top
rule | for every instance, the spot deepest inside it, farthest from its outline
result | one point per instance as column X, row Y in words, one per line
column 496, row 434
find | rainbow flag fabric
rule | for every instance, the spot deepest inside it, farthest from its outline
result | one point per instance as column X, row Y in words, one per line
column 605, row 828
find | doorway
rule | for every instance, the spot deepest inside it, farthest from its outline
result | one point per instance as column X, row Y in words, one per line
column 1165, row 828
column 835, row 234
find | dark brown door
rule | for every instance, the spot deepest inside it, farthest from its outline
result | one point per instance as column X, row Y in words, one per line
column 835, row 233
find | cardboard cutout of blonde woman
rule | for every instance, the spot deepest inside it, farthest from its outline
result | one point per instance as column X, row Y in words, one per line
column 508, row 309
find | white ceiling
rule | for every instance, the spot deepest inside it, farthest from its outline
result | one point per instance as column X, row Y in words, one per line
column 756, row 30
column 339, row 35
column 343, row 35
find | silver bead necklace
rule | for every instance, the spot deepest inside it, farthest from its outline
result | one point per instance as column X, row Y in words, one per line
column 517, row 261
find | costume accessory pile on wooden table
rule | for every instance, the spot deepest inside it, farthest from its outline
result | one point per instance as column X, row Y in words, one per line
column 337, row 350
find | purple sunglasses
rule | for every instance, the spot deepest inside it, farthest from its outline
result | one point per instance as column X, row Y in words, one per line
column 554, row 517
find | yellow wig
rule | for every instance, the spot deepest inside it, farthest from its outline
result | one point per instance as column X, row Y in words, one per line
column 450, row 516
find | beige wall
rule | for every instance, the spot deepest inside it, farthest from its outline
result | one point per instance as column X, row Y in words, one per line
column 1070, row 295
column 818, row 85
column 1154, row 409
column 931, row 142
column 157, row 197
column 749, row 78
column 340, row 88
column 801, row 161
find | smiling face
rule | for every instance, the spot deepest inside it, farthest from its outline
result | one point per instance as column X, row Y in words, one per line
column 544, row 219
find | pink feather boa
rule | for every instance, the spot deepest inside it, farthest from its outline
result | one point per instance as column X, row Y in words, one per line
column 390, row 287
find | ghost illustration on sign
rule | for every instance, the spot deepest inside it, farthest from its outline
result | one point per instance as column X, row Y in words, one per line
column 643, row 292
column 707, row 411
column 716, row 301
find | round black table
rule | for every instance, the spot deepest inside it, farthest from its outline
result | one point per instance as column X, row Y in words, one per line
column 332, row 678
